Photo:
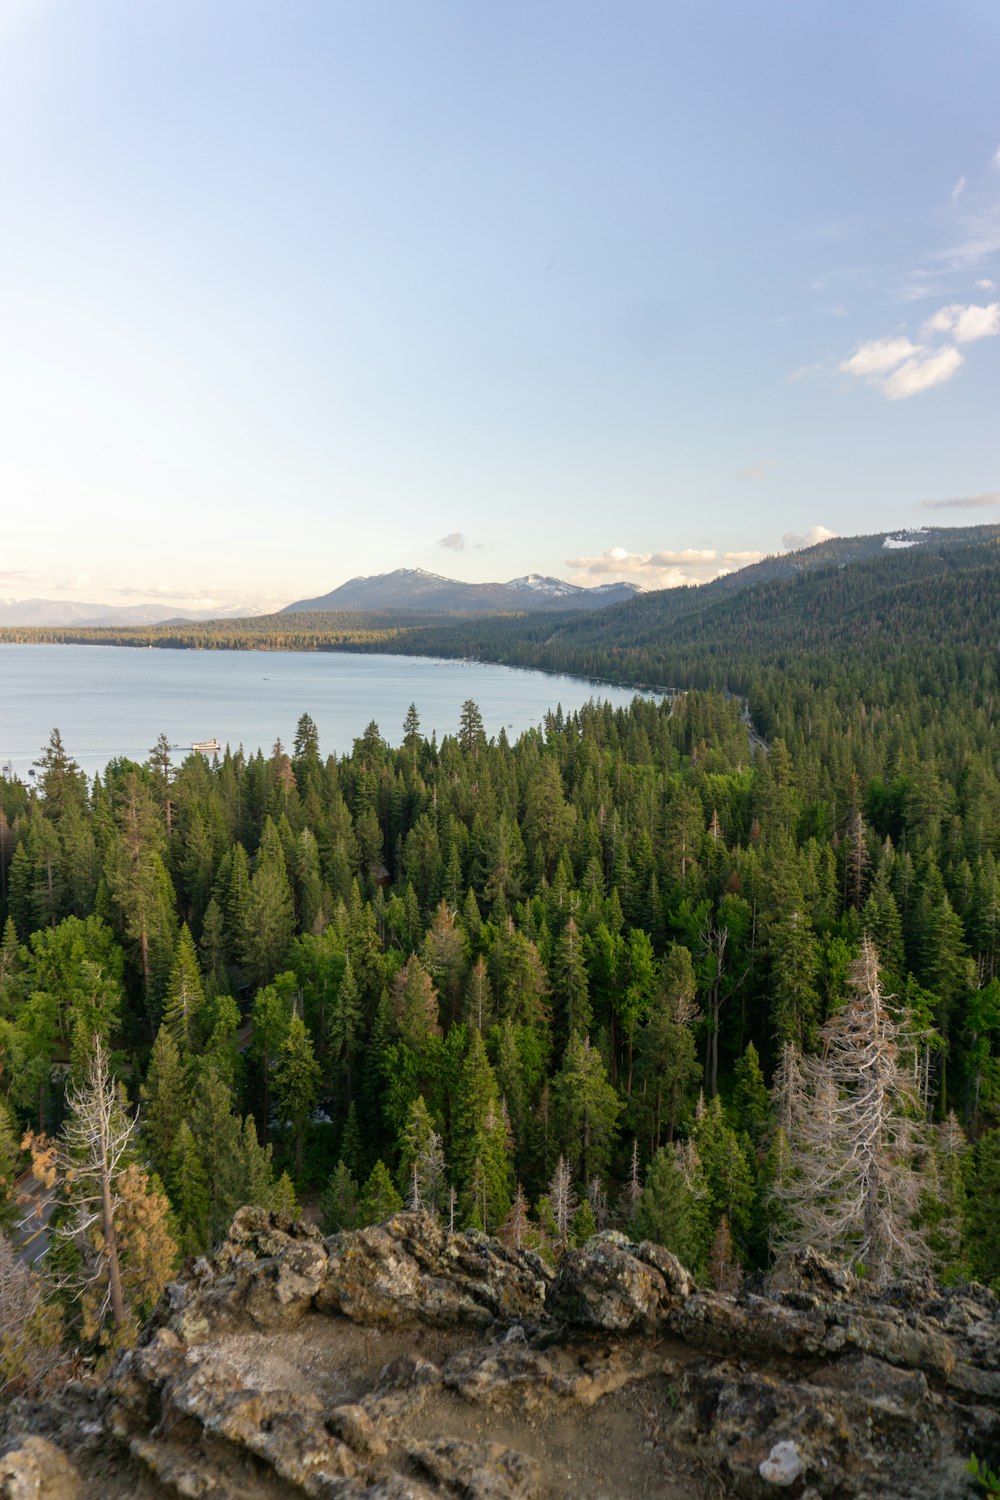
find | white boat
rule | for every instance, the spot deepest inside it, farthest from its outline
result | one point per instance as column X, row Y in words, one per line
column 207, row 747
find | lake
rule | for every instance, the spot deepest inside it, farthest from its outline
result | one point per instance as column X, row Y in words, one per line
column 110, row 701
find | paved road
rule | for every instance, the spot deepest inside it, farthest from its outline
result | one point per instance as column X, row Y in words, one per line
column 756, row 742
column 30, row 1234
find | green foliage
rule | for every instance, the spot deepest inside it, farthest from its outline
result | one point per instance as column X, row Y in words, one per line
column 339, row 1203
column 981, row 1209
column 647, row 879
column 379, row 1199
column 296, row 1082
column 673, row 1208
column 983, row 1474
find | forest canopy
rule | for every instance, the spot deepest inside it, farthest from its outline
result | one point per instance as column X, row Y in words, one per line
column 588, row 978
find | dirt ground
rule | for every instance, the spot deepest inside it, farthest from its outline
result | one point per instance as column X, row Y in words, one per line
column 613, row 1449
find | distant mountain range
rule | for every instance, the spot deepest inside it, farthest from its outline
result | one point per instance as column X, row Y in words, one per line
column 73, row 612
column 412, row 588
column 408, row 591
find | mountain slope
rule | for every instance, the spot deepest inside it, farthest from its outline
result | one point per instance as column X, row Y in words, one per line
column 413, row 589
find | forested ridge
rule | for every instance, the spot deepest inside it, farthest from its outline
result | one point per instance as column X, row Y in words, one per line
column 625, row 971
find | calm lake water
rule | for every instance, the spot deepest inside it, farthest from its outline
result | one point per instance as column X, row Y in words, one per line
column 110, row 701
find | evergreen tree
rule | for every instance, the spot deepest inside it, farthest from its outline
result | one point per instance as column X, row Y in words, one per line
column 296, row 1082
column 189, row 1192
column 728, row 1174
column 672, row 1208
column 587, row 1109
column 751, row 1101
column 980, row 1239
column 8, row 1170
column 140, row 889
column 271, row 910
column 339, row 1203
column 165, row 1100
column 345, row 1029
column 185, row 995
column 415, row 1005
column 379, row 1199
column 570, row 987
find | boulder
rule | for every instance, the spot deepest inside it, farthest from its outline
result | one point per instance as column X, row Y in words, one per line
column 610, row 1283
column 411, row 1269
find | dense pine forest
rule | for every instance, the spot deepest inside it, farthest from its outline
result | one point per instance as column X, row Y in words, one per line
column 629, row 971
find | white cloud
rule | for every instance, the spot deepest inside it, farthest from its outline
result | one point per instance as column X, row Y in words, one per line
column 963, row 502
column 921, row 374
column 455, row 541
column 742, row 559
column 816, row 534
column 654, row 570
column 757, row 470
column 898, row 368
column 966, row 324
column 75, row 581
column 985, row 285
column 996, row 157
column 685, row 558
column 958, row 190
column 880, row 355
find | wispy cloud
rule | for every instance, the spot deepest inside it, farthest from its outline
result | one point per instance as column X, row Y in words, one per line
column 804, row 371
column 878, row 356
column 962, row 502
column 173, row 593
column 17, row 575
column 958, row 190
column 759, row 470
column 921, row 374
column 816, row 534
column 742, row 559
column 455, row 541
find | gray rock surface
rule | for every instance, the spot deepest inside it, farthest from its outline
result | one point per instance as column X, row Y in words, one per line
column 402, row 1362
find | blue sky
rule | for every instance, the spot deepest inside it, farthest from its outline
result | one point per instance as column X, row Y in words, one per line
column 290, row 292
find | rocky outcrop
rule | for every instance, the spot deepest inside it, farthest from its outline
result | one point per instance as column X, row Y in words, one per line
column 404, row 1361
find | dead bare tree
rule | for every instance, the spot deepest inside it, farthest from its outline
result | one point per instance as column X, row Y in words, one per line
column 850, row 1116
column 115, row 1223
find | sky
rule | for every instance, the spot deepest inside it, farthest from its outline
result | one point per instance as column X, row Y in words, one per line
column 292, row 292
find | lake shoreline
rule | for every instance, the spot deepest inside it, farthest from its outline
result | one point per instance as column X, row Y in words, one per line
column 111, row 705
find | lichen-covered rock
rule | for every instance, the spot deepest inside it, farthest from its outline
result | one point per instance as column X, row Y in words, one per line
column 37, row 1470
column 412, row 1269
column 677, row 1278
column 609, row 1284
column 267, row 1271
column 403, row 1363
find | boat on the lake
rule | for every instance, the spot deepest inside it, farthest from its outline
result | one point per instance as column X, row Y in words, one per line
column 207, row 747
